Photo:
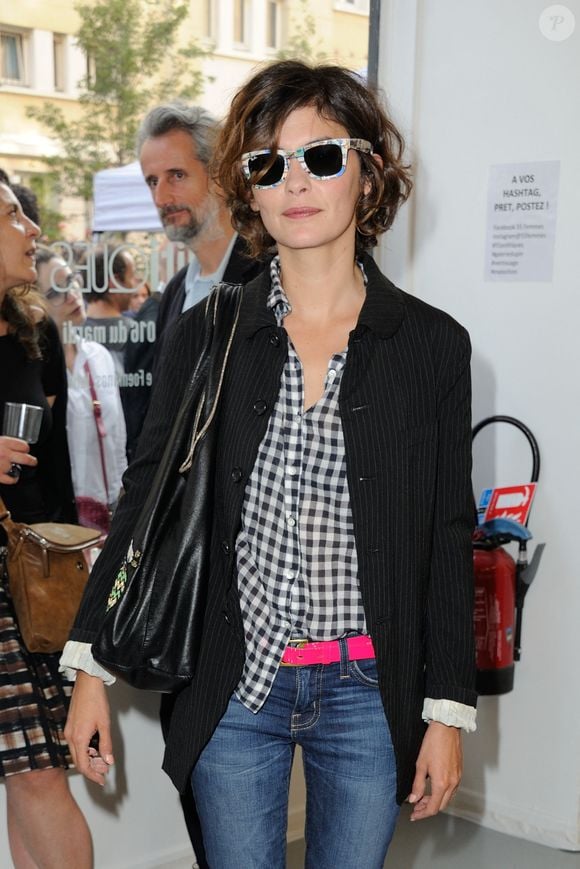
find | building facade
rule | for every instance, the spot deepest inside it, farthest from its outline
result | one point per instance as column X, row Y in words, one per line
column 41, row 62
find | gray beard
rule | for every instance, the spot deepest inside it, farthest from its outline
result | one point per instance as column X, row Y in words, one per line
column 185, row 233
column 203, row 223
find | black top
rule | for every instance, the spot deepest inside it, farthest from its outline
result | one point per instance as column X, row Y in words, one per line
column 45, row 492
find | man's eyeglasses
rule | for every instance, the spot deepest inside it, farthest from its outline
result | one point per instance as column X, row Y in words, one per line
column 59, row 294
column 322, row 160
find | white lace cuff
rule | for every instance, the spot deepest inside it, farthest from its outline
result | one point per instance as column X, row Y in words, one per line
column 78, row 656
column 451, row 713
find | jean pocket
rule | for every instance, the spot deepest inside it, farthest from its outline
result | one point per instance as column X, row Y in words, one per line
column 365, row 672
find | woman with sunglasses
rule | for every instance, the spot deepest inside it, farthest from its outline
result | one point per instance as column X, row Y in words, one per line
column 95, row 421
column 340, row 609
column 45, row 825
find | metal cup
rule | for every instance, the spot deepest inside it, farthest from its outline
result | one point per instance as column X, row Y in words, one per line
column 22, row 421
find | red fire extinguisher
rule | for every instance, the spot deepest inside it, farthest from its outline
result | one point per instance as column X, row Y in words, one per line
column 501, row 585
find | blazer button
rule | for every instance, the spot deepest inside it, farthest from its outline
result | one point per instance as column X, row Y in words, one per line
column 227, row 619
column 236, row 475
column 274, row 339
column 226, row 547
column 260, row 406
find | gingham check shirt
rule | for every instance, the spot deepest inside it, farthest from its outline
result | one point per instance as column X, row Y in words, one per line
column 296, row 554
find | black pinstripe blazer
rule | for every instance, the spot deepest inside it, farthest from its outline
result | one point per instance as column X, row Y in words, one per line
column 405, row 409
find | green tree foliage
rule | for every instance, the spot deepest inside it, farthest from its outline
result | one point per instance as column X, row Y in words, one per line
column 301, row 44
column 50, row 219
column 134, row 59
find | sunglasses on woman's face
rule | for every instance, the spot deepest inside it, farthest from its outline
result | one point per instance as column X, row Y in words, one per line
column 322, row 160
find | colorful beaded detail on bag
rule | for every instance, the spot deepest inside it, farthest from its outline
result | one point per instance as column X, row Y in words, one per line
column 131, row 559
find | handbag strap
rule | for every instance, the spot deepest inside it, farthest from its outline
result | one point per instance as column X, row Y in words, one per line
column 98, row 417
column 223, row 311
column 200, row 393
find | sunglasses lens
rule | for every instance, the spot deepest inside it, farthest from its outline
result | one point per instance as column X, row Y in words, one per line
column 265, row 172
column 324, row 161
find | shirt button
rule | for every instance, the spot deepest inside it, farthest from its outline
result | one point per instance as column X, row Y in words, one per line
column 292, row 471
column 332, row 374
column 291, row 521
column 289, row 574
column 236, row 475
column 260, row 406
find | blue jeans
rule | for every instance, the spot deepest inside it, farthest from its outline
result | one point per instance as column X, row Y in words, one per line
column 240, row 782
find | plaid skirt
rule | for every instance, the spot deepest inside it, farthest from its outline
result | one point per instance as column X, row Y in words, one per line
column 33, row 699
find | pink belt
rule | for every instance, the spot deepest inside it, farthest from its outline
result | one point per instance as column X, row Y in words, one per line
column 305, row 653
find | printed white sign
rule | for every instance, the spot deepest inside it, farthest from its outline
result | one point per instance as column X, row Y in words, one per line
column 522, row 206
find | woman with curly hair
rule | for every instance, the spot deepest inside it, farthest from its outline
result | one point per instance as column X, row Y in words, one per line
column 339, row 615
column 45, row 825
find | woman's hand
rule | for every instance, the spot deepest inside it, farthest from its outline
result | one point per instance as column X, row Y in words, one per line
column 13, row 451
column 89, row 717
column 441, row 761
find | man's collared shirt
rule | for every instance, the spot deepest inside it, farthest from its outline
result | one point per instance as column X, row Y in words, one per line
column 197, row 286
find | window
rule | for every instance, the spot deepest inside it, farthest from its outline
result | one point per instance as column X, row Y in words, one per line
column 12, row 57
column 273, row 24
column 240, row 30
column 59, row 58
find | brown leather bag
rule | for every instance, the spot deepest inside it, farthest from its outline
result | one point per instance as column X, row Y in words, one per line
column 47, row 573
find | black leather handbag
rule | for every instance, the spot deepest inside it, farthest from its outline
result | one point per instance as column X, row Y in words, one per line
column 151, row 632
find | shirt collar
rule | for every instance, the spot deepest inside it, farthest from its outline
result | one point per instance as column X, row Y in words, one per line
column 277, row 298
column 382, row 313
column 194, row 268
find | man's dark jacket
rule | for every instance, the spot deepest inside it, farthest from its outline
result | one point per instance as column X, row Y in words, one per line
column 142, row 358
column 405, row 409
column 240, row 269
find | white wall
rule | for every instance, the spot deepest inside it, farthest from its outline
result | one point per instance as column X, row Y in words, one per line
column 136, row 820
column 476, row 84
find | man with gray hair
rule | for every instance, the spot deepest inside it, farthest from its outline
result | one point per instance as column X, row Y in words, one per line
column 175, row 146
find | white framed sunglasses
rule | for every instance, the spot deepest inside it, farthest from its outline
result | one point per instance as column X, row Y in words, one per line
column 323, row 160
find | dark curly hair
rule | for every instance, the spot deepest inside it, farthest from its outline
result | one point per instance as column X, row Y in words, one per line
column 259, row 109
column 22, row 309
